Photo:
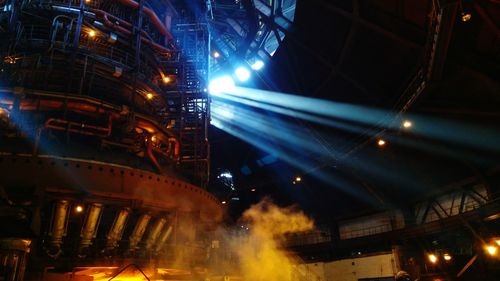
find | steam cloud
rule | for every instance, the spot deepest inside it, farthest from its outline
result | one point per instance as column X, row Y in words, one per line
column 259, row 254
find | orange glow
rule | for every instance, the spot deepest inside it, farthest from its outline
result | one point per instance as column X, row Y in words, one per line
column 447, row 257
column 149, row 96
column 407, row 124
column 466, row 17
column 92, row 33
column 79, row 208
column 498, row 242
column 166, row 79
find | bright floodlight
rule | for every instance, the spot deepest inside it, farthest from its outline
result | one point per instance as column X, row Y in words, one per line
column 258, row 65
column 221, row 84
column 242, row 73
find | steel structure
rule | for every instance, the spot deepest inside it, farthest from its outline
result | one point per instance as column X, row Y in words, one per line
column 103, row 133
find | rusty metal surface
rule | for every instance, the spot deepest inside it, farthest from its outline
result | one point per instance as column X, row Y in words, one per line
column 104, row 181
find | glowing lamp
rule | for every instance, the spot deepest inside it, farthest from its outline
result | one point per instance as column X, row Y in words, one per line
column 91, row 33
column 79, row 208
column 298, row 179
column 242, row 73
column 498, row 242
column 223, row 202
column 216, row 55
column 447, row 257
column 381, row 142
column 166, row 79
column 407, row 124
column 432, row 258
column 491, row 250
column 149, row 96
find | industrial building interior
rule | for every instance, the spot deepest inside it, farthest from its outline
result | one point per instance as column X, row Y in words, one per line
column 282, row 140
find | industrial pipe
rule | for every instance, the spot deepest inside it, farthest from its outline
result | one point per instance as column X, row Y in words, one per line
column 167, row 231
column 138, row 231
column 106, row 19
column 89, row 228
column 116, row 231
column 58, row 228
column 151, row 155
column 80, row 128
column 152, row 17
column 155, row 232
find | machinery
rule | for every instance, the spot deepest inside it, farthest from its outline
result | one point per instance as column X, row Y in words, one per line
column 103, row 138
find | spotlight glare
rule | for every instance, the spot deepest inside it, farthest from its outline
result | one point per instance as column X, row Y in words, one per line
column 216, row 54
column 407, row 124
column 258, row 65
column 166, row 79
column 92, row 33
column 432, row 258
column 492, row 250
column 242, row 73
column 221, row 84
column 447, row 257
column 149, row 96
column 381, row 142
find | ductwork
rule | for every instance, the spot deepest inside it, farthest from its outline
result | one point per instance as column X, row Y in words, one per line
column 58, row 228
column 167, row 231
column 89, row 229
column 116, row 232
column 138, row 232
column 154, row 233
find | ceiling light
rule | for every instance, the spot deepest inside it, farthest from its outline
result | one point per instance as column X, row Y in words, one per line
column 407, row 124
column 216, row 54
column 447, row 257
column 149, row 96
column 166, row 79
column 92, row 33
column 253, row 190
column 298, row 179
column 242, row 73
column 223, row 202
column 381, row 142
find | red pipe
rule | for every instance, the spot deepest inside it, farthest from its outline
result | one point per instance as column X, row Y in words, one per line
column 152, row 16
column 176, row 147
column 105, row 16
column 151, row 155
